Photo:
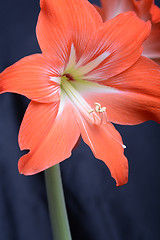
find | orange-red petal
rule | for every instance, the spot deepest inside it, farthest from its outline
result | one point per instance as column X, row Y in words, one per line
column 138, row 96
column 106, row 144
column 36, row 124
column 32, row 76
column 143, row 77
column 49, row 136
column 62, row 23
column 120, row 37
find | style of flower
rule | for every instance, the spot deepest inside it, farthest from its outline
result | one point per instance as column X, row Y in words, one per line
column 89, row 74
column 146, row 10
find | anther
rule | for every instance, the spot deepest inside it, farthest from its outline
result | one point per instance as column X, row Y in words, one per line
column 103, row 109
column 98, row 109
column 98, row 104
column 103, row 114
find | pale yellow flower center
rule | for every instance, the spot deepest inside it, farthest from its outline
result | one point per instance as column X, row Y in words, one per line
column 76, row 71
column 73, row 83
column 90, row 114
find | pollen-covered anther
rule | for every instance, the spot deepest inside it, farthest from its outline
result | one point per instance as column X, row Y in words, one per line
column 97, row 109
column 103, row 117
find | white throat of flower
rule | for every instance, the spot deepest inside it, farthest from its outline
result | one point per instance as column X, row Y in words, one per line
column 81, row 104
column 73, row 75
column 76, row 71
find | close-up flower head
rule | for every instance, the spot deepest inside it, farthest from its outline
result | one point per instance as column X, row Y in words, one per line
column 75, row 70
column 89, row 75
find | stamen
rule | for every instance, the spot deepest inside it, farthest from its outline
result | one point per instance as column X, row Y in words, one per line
column 98, row 107
column 117, row 140
column 124, row 146
column 100, row 110
column 103, row 109
column 103, row 114
column 98, row 104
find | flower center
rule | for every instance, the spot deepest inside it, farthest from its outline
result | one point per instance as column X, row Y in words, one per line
column 74, row 72
column 69, row 77
column 94, row 116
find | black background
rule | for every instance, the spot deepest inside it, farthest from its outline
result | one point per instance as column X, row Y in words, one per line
column 97, row 209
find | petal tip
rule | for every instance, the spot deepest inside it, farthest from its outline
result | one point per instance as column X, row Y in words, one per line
column 122, row 179
column 22, row 166
column 121, row 183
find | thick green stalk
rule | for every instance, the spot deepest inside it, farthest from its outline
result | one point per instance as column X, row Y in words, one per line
column 56, row 202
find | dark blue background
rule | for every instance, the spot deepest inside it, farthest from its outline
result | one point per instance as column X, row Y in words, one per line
column 97, row 209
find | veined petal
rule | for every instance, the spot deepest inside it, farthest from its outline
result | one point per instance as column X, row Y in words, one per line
column 32, row 76
column 63, row 22
column 121, row 38
column 36, row 124
column 134, row 95
column 143, row 77
column 49, row 135
column 106, row 144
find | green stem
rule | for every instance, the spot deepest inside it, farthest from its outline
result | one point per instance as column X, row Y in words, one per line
column 57, row 208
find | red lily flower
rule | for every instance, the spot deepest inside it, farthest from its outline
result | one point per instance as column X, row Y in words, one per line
column 89, row 73
column 146, row 10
